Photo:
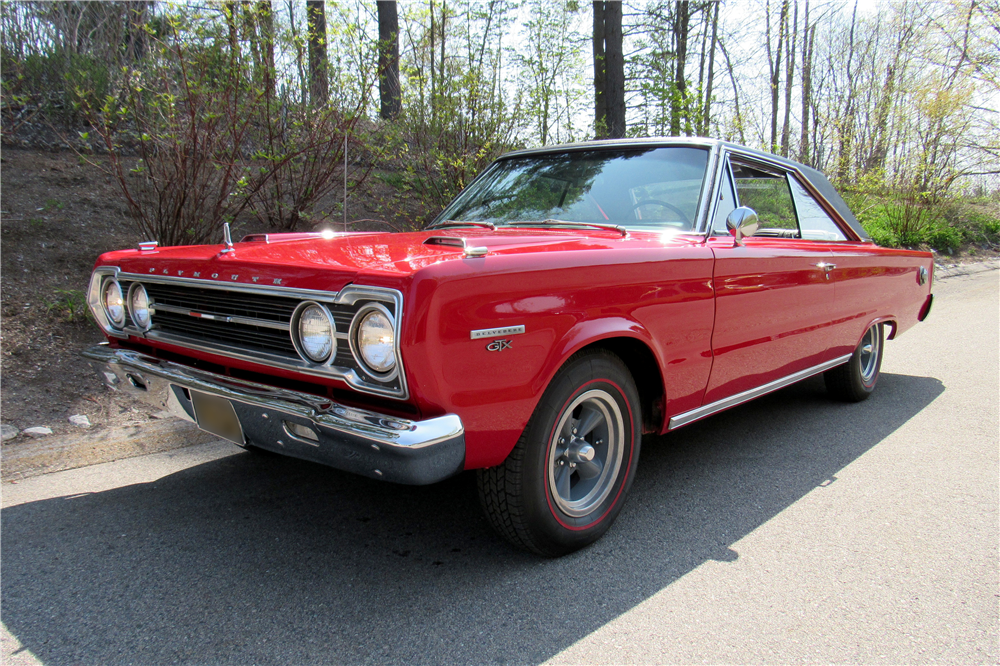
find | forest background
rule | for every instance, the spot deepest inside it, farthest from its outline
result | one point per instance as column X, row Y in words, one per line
column 291, row 114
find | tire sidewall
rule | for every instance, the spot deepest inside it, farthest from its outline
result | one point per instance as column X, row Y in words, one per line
column 558, row 531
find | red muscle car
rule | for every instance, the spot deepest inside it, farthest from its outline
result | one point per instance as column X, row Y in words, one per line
column 570, row 300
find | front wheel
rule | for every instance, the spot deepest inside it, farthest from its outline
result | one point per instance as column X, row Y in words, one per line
column 566, row 479
column 855, row 380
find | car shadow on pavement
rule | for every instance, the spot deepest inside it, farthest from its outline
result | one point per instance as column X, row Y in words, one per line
column 260, row 559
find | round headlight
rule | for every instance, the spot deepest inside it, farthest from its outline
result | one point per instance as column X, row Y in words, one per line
column 114, row 303
column 315, row 333
column 376, row 341
column 139, row 306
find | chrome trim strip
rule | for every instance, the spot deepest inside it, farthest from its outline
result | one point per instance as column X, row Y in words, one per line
column 270, row 290
column 831, row 210
column 382, row 429
column 745, row 396
column 495, row 332
column 232, row 319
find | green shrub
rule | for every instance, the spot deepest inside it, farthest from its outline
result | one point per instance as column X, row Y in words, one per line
column 880, row 233
column 943, row 238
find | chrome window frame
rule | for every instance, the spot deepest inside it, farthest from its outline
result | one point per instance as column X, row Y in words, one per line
column 726, row 154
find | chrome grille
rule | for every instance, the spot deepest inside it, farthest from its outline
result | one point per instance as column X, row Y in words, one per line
column 229, row 317
column 252, row 306
column 252, row 323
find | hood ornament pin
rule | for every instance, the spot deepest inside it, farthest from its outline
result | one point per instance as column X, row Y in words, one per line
column 227, row 238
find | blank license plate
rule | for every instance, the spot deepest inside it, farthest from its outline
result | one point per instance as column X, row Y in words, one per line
column 217, row 416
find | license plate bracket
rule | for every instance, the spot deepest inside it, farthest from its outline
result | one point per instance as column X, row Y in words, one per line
column 217, row 416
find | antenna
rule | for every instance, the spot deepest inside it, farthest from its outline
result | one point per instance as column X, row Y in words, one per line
column 345, row 181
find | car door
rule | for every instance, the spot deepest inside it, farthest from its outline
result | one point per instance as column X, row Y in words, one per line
column 774, row 293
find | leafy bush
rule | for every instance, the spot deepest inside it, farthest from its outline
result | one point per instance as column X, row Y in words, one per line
column 214, row 141
column 943, row 238
column 54, row 83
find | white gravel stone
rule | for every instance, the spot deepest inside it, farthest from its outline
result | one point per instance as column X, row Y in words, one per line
column 163, row 415
column 8, row 432
column 80, row 420
column 38, row 431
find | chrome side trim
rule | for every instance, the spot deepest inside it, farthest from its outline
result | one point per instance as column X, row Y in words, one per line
column 745, row 396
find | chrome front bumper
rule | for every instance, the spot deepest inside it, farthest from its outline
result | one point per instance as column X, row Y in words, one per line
column 296, row 424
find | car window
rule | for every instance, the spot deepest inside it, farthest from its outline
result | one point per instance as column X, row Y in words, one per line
column 814, row 222
column 638, row 188
column 725, row 205
column 769, row 196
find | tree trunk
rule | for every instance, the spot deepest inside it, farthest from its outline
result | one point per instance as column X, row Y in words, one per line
column 808, row 39
column 138, row 40
column 433, row 76
column 736, row 92
column 600, row 74
column 846, row 124
column 678, row 101
column 774, row 67
column 319, row 85
column 303, row 81
column 791, row 38
column 231, row 10
column 388, row 59
column 615, row 59
column 876, row 160
column 707, row 114
column 266, row 19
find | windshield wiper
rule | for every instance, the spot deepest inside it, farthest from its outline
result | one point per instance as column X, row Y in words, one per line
column 463, row 223
column 552, row 223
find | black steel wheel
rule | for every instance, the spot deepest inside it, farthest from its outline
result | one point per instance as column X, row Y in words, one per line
column 567, row 478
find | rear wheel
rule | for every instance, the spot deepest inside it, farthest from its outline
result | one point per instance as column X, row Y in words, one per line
column 855, row 380
column 566, row 479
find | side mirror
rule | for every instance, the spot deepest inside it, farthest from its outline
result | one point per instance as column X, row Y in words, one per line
column 742, row 222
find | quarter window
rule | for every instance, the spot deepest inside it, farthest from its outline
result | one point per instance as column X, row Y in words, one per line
column 814, row 222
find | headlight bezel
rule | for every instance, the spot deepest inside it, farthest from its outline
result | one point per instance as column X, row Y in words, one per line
column 115, row 323
column 296, row 334
column 365, row 311
column 133, row 291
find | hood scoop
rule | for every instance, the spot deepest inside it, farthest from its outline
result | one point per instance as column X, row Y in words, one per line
column 456, row 241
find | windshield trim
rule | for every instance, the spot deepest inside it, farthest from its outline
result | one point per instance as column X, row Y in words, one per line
column 710, row 146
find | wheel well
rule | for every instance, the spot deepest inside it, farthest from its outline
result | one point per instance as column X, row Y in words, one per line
column 645, row 371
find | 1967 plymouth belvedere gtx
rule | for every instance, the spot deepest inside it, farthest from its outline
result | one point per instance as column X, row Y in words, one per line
column 570, row 300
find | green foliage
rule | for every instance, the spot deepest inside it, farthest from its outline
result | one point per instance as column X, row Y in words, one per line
column 69, row 305
column 945, row 226
column 54, row 83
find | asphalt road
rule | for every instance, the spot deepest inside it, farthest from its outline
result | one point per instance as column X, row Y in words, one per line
column 792, row 529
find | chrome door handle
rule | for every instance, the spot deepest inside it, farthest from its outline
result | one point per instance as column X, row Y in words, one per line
column 826, row 268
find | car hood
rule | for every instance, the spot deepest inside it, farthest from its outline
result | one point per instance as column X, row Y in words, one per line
column 329, row 261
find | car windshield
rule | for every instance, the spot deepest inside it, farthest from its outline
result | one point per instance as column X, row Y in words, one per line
column 636, row 188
